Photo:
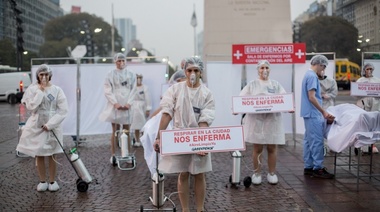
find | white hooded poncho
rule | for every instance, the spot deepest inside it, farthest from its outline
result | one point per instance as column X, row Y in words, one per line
column 48, row 108
column 119, row 87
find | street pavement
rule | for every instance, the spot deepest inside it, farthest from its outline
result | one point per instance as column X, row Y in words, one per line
column 113, row 189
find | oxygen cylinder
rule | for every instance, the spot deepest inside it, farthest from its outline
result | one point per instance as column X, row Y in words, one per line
column 236, row 155
column 158, row 189
column 124, row 144
column 79, row 166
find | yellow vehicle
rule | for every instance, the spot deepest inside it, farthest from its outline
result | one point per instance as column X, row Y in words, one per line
column 346, row 72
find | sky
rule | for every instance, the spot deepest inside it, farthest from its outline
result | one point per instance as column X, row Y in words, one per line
column 163, row 26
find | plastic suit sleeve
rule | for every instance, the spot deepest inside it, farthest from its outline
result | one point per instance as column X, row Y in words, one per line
column 334, row 90
column 168, row 101
column 108, row 92
column 133, row 93
column 208, row 112
column 61, row 111
column 32, row 98
column 246, row 90
column 148, row 100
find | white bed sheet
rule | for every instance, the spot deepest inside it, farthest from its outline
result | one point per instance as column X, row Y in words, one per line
column 353, row 126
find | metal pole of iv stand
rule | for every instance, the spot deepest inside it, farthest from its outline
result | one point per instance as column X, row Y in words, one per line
column 78, row 104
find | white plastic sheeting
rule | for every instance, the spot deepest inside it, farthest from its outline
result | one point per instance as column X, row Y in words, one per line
column 93, row 100
column 353, row 126
column 224, row 80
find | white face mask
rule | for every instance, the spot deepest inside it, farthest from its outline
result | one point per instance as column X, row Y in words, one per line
column 265, row 74
column 193, row 79
column 44, row 80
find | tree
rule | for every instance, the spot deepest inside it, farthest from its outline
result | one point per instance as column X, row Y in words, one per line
column 26, row 64
column 7, row 53
column 65, row 31
column 331, row 34
column 56, row 49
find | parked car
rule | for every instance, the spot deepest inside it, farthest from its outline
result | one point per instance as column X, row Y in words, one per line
column 13, row 85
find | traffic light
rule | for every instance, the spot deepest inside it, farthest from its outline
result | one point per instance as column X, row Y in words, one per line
column 296, row 32
column 88, row 38
column 20, row 31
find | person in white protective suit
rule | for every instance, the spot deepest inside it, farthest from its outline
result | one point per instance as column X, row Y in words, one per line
column 329, row 90
column 189, row 104
column 140, row 109
column 266, row 128
column 369, row 103
column 48, row 107
column 151, row 127
column 120, row 91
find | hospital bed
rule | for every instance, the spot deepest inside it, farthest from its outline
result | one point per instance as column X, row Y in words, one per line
column 353, row 128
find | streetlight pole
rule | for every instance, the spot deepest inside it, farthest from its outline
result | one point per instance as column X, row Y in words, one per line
column 112, row 34
column 195, row 42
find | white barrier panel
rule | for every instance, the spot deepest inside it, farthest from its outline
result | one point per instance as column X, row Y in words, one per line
column 224, row 80
column 93, row 100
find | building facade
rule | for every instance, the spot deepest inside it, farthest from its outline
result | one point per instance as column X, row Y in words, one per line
column 127, row 30
column 367, row 22
column 35, row 14
column 228, row 22
column 363, row 14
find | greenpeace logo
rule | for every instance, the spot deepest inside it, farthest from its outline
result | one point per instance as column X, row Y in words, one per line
column 260, row 110
column 202, row 148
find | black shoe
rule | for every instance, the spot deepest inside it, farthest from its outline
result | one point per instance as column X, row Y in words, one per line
column 113, row 160
column 322, row 173
column 308, row 171
column 356, row 150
